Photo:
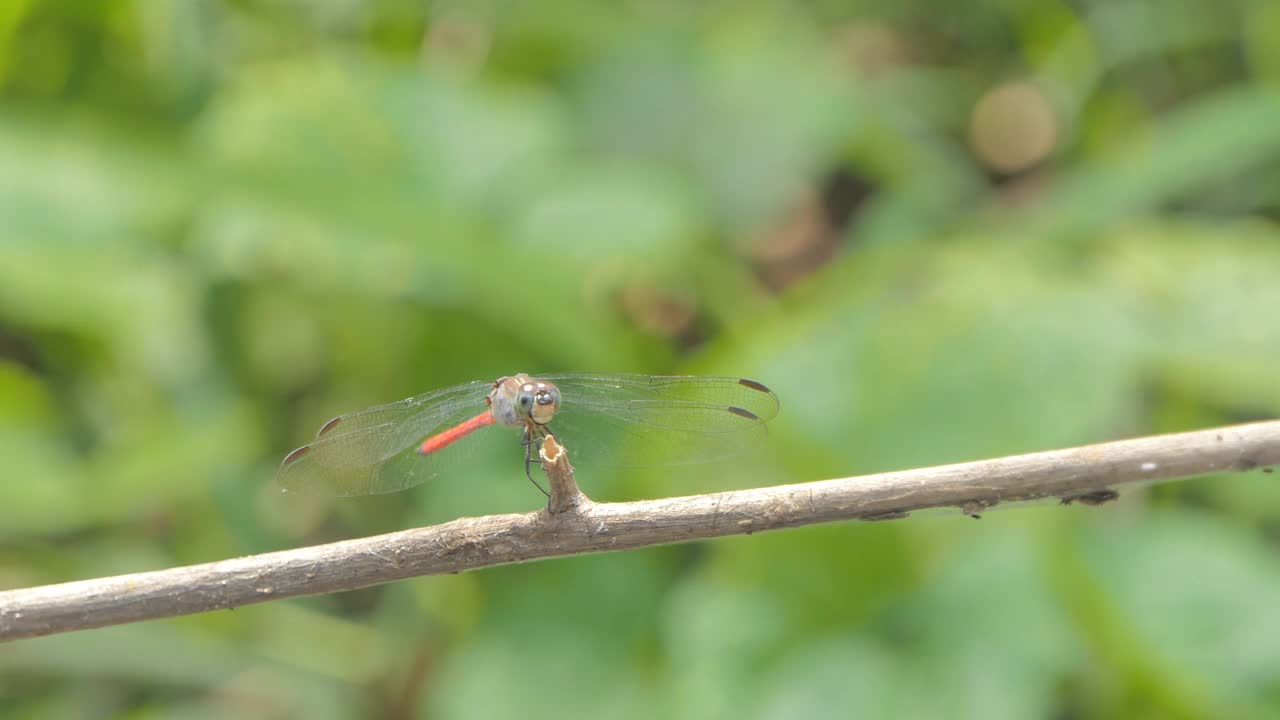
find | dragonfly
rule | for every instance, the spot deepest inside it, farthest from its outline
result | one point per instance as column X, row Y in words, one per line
column 604, row 420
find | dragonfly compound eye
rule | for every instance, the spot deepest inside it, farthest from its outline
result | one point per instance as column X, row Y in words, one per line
column 546, row 403
column 525, row 399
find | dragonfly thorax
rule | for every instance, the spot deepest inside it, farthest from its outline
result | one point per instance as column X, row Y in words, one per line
column 519, row 400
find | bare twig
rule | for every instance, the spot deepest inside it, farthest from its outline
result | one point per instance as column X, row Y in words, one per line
column 565, row 495
column 1085, row 475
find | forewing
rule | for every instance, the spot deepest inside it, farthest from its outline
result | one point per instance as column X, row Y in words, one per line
column 395, row 412
column 639, row 420
column 375, row 451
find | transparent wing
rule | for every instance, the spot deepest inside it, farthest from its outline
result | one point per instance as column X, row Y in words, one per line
column 394, row 412
column 618, row 420
column 375, row 450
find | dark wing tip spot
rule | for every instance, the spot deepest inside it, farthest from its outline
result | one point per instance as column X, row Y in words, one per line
column 296, row 455
column 329, row 426
column 743, row 413
column 753, row 385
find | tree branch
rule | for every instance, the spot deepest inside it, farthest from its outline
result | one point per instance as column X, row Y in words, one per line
column 573, row 525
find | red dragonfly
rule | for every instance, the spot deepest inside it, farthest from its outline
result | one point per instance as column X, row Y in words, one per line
column 603, row 419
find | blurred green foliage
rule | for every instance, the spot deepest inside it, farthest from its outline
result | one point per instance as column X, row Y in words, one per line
column 939, row 233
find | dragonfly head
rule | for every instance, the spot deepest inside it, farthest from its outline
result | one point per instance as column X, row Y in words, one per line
column 520, row 399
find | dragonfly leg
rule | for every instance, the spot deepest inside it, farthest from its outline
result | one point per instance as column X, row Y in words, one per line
column 531, row 438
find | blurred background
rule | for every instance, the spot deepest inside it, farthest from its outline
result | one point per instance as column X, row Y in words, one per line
column 939, row 235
